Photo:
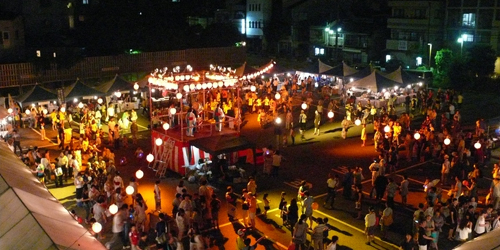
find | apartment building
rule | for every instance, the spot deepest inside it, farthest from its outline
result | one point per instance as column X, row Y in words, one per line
column 416, row 31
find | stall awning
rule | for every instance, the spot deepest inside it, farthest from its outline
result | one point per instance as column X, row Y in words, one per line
column 30, row 217
column 114, row 85
column 36, row 94
column 79, row 89
column 216, row 145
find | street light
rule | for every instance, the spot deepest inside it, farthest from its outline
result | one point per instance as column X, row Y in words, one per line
column 430, row 54
column 461, row 40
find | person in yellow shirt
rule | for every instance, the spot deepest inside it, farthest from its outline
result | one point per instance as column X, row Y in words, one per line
column 396, row 128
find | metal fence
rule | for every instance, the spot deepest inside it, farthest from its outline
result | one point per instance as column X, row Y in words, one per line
column 17, row 74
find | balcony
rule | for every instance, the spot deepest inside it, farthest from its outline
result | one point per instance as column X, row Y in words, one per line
column 409, row 23
column 401, row 45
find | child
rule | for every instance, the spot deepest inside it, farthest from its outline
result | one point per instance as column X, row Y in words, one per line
column 266, row 204
column 134, row 237
column 42, row 129
column 157, row 192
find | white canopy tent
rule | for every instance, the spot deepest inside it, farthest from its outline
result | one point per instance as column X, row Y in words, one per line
column 488, row 241
column 30, row 217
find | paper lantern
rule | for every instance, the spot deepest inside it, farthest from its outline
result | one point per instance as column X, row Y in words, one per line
column 178, row 95
column 477, row 145
column 150, row 157
column 118, row 94
column 277, row 96
column 139, row 174
column 113, row 209
column 330, row 114
column 44, row 111
column 186, row 88
column 304, row 106
column 28, row 112
column 173, row 111
column 166, row 126
column 252, row 88
column 75, row 100
column 278, row 120
column 129, row 190
column 209, row 85
column 136, row 86
column 203, row 86
column 96, row 227
column 99, row 100
column 447, row 141
column 63, row 109
column 198, row 86
column 9, row 110
column 387, row 129
column 416, row 136
column 357, row 122
column 315, row 206
column 158, row 141
column 80, row 105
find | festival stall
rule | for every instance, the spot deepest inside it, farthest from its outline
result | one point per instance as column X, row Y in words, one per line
column 116, row 87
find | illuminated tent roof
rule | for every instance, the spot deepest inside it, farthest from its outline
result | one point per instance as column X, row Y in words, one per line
column 401, row 76
column 245, row 69
column 36, row 94
column 30, row 217
column 114, row 85
column 487, row 241
column 341, row 70
column 79, row 89
column 375, row 82
column 317, row 67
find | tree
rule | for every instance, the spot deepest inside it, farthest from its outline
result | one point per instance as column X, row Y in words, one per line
column 443, row 59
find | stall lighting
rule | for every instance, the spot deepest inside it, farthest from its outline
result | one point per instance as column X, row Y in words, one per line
column 357, row 122
column 63, row 109
column 99, row 100
column 387, row 129
column 277, row 96
column 10, row 110
column 477, row 145
column 80, row 105
column 304, row 106
column 27, row 111
column 44, row 111
column 278, row 120
column 447, row 141
column 96, row 227
column 330, row 114
column 113, row 209
column 166, row 126
column 129, row 190
column 158, row 141
column 118, row 94
column 416, row 136
column 150, row 158
column 75, row 100
column 136, row 86
column 139, row 174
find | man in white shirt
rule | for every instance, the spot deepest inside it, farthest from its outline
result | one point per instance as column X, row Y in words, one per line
column 332, row 183
column 118, row 228
column 62, row 162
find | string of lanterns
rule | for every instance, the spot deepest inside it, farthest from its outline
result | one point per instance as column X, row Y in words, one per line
column 263, row 70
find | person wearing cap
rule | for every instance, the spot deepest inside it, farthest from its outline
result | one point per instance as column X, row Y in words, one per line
column 240, row 240
column 370, row 221
column 445, row 170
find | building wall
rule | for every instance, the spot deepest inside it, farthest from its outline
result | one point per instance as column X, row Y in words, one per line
column 478, row 19
column 258, row 12
column 413, row 25
column 12, row 34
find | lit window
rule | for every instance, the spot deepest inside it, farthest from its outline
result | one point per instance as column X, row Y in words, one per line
column 38, row 53
column 85, row 1
column 468, row 38
column 469, row 19
column 419, row 61
column 387, row 58
column 316, row 51
column 322, row 51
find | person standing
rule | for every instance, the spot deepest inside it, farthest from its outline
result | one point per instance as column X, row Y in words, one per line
column 345, row 125
column 134, row 129
column 387, row 219
column 118, row 228
column 403, row 189
column 347, row 183
column 302, row 123
column 276, row 164
column 317, row 234
column 370, row 221
column 299, row 233
column 190, row 121
column 157, row 193
column 219, row 118
column 17, row 142
column 332, row 184
column 363, row 135
column 116, row 136
column 495, row 192
column 423, row 239
column 59, row 176
column 445, row 170
column 317, row 121
column 231, row 200
column 308, row 211
column 391, row 192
